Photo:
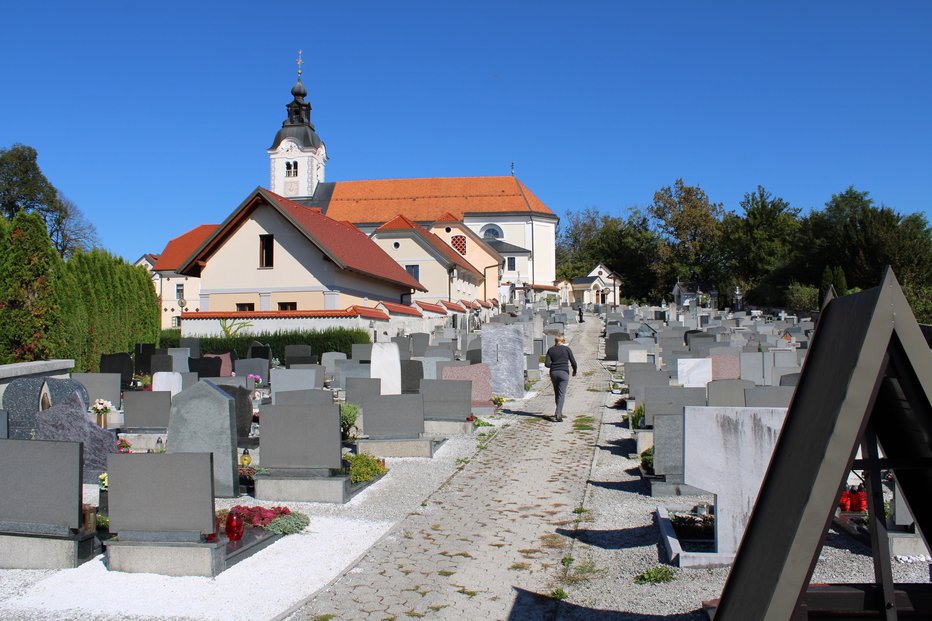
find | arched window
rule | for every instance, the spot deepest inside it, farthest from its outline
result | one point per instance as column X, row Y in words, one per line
column 291, row 169
column 491, row 231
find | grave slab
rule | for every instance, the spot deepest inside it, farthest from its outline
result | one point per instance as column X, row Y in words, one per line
column 503, row 351
column 386, row 365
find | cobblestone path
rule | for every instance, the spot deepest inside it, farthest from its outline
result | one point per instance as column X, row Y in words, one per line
column 488, row 544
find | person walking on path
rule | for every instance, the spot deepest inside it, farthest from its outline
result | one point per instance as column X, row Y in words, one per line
column 558, row 360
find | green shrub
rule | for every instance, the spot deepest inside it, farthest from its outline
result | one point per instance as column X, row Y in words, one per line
column 647, row 460
column 364, row 467
column 637, row 417
column 349, row 412
column 288, row 524
column 802, row 297
column 656, row 575
column 331, row 339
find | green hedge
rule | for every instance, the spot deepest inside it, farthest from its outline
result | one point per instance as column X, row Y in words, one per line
column 331, row 339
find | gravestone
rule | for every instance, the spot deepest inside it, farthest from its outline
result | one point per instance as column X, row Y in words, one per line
column 101, row 386
column 532, row 369
column 386, row 365
column 362, row 352
column 252, row 366
column 298, row 354
column 21, row 400
column 162, row 363
column 259, row 350
column 301, row 438
column 727, row 451
column 449, row 363
column 362, row 390
column 205, row 367
column 404, row 343
column 226, row 363
column 611, row 344
column 391, row 417
column 444, row 351
column 728, row 393
column 480, row 378
column 669, row 400
column 329, row 361
column 291, row 379
column 631, row 352
column 694, row 372
column 449, row 400
column 143, row 352
column 4, row 425
column 429, row 364
column 769, row 396
column 203, row 420
column 726, row 366
column 347, row 369
column 121, row 364
column 752, row 367
column 412, row 372
column 189, row 379
column 503, row 351
column 420, row 341
column 639, row 375
column 192, row 344
column 180, row 357
column 62, row 388
column 310, row 397
column 67, row 421
column 789, row 379
column 146, row 410
column 242, row 404
column 318, row 369
column 472, row 356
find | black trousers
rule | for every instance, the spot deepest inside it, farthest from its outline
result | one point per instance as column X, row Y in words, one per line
column 560, row 380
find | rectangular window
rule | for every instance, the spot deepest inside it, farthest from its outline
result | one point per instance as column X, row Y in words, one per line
column 414, row 270
column 179, row 292
column 287, row 306
column 266, row 254
column 176, row 321
column 511, row 264
column 245, row 307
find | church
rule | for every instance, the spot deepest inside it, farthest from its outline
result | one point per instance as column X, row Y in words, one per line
column 502, row 211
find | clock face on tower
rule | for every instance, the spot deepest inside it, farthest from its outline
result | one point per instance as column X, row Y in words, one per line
column 291, row 188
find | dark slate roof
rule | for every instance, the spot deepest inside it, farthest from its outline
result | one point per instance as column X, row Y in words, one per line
column 321, row 198
column 306, row 137
column 584, row 280
column 503, row 247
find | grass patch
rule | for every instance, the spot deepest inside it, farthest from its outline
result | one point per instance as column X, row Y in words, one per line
column 559, row 594
column 588, row 373
column 478, row 422
column 582, row 571
column 466, row 591
column 583, row 423
column 552, row 541
column 567, row 561
column 445, row 573
column 438, row 607
column 324, row 617
column 591, row 389
column 656, row 575
column 451, row 555
column 528, row 551
column 520, row 566
column 580, row 510
column 415, row 614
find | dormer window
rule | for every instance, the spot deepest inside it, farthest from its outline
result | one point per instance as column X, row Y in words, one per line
column 291, row 169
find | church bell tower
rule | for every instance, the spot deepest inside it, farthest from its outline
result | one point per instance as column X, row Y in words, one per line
column 297, row 155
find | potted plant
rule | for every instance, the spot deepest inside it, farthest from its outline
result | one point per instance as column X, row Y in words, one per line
column 101, row 408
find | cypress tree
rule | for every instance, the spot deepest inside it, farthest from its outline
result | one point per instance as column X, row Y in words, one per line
column 4, row 247
column 31, row 312
column 841, row 283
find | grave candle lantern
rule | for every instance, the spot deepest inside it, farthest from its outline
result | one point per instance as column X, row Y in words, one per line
column 235, row 526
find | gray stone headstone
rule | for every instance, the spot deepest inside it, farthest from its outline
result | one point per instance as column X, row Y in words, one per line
column 4, row 425
column 611, row 344
column 180, row 357
column 301, row 437
column 242, row 400
column 21, row 401
column 62, row 388
column 473, row 356
column 362, row 352
column 146, row 409
column 789, row 379
column 329, row 361
column 193, row 345
column 252, row 366
column 404, row 343
column 503, row 351
column 319, row 372
column 728, row 393
column 752, row 367
column 189, row 379
column 101, row 386
column 429, row 364
column 639, row 375
column 412, row 372
column 291, row 379
column 420, row 341
column 293, row 352
column 161, row 496
column 668, row 447
column 395, row 417
column 435, row 351
column 362, row 390
column 41, row 487
column 203, row 420
column 769, row 396
column 162, row 363
column 447, row 399
column 669, row 400
column 67, row 421
column 347, row 369
column 311, row 397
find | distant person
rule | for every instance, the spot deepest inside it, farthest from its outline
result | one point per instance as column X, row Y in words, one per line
column 558, row 360
column 580, row 314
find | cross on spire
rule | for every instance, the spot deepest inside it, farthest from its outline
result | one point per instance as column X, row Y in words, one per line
column 300, row 62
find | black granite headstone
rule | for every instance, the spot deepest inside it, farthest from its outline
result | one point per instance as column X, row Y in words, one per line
column 412, row 372
column 205, row 367
column 242, row 409
column 192, row 343
column 118, row 363
column 60, row 389
column 21, row 401
column 144, row 353
column 161, row 363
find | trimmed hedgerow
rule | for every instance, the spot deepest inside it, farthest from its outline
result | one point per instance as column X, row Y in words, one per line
column 331, row 339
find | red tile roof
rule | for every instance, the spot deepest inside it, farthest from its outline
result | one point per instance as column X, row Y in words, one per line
column 181, row 247
column 469, row 304
column 401, row 223
column 484, row 304
column 401, row 309
column 453, row 306
column 369, row 313
column 348, row 247
column 544, row 287
column 433, row 308
column 447, row 217
column 426, row 200
column 352, row 311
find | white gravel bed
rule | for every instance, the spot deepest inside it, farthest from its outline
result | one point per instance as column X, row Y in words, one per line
column 264, row 586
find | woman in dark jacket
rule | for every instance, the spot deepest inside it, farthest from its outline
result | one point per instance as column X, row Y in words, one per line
column 558, row 360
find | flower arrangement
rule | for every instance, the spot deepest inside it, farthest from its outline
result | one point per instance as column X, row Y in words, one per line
column 278, row 520
column 498, row 401
column 123, row 445
column 256, row 378
column 103, row 483
column 102, row 406
column 142, row 380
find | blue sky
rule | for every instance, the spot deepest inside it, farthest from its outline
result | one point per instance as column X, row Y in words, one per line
column 154, row 117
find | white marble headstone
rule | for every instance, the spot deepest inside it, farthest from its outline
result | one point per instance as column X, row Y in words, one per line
column 694, row 372
column 386, row 365
column 167, row 381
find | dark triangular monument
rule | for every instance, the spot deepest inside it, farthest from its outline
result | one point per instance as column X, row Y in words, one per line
column 867, row 380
